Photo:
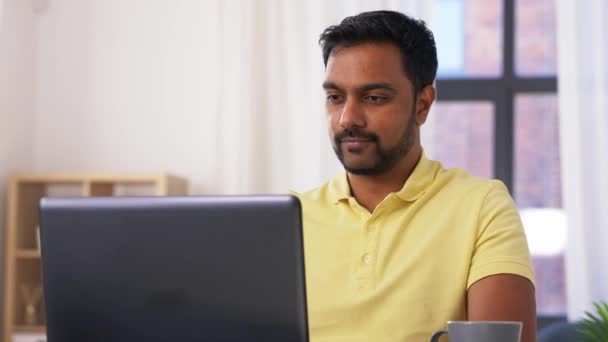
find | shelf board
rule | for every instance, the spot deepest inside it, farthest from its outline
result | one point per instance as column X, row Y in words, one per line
column 28, row 254
column 30, row 329
column 84, row 177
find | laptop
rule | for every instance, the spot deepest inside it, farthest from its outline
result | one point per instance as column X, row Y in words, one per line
column 208, row 268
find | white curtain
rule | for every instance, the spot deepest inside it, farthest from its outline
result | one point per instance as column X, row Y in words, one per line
column 1, row 13
column 271, row 103
column 583, row 92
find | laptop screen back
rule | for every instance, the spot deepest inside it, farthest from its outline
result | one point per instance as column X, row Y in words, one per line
column 224, row 268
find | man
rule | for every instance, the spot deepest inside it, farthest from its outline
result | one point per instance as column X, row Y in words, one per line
column 397, row 245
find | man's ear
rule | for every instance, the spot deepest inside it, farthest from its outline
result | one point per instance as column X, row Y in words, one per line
column 424, row 100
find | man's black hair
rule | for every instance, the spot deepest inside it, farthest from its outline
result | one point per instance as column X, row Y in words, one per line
column 413, row 38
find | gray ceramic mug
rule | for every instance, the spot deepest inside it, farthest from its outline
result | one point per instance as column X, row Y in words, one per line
column 480, row 331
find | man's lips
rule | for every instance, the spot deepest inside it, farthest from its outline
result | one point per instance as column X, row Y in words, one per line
column 355, row 139
column 355, row 143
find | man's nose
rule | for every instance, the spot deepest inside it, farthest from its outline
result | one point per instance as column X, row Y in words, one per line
column 352, row 115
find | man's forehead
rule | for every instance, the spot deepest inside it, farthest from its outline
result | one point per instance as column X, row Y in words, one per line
column 365, row 53
column 358, row 65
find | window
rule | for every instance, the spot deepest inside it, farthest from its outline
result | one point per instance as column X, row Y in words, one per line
column 496, row 116
column 472, row 147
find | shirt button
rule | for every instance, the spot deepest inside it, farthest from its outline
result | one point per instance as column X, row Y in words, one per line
column 366, row 258
column 371, row 228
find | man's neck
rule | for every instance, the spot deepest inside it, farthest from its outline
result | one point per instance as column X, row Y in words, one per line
column 370, row 190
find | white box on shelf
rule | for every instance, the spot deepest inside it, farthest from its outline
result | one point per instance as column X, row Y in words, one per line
column 29, row 337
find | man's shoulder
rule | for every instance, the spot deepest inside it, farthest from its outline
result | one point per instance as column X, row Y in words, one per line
column 320, row 193
column 458, row 182
column 322, row 198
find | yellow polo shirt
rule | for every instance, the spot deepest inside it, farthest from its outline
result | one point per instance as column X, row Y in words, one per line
column 401, row 272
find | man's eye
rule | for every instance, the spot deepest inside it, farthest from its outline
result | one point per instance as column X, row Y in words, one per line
column 376, row 99
column 333, row 98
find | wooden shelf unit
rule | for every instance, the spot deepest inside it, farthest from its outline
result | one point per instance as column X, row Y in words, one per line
column 29, row 253
column 22, row 254
column 40, row 329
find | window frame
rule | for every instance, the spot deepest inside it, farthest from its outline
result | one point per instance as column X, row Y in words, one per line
column 501, row 91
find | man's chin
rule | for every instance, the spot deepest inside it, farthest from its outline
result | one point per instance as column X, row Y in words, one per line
column 358, row 164
column 360, row 169
column 363, row 171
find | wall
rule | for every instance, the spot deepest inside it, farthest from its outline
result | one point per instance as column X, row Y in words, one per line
column 128, row 86
column 16, row 95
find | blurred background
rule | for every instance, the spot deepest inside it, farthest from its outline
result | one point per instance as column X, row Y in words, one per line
column 227, row 94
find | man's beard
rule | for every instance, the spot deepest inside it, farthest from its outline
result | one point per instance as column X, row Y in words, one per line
column 386, row 159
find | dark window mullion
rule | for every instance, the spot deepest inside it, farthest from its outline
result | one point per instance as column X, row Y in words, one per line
column 504, row 131
column 535, row 84
column 474, row 89
column 486, row 88
column 503, row 139
column 508, row 48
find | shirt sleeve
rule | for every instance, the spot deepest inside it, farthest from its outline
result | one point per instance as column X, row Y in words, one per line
column 501, row 246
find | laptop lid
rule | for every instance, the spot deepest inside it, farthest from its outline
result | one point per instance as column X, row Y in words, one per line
column 223, row 268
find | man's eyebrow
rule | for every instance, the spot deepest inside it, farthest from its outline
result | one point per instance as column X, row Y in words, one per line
column 378, row 85
column 366, row 87
column 330, row 85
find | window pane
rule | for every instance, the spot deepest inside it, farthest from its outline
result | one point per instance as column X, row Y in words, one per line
column 462, row 135
column 549, row 269
column 537, row 192
column 537, row 158
column 535, row 38
column 469, row 38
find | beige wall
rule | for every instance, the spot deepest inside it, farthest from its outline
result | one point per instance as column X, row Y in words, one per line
column 16, row 95
column 127, row 86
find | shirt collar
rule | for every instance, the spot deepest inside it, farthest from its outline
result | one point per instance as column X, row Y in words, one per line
column 338, row 188
column 421, row 178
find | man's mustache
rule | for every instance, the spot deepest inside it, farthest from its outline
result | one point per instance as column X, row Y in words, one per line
column 355, row 133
